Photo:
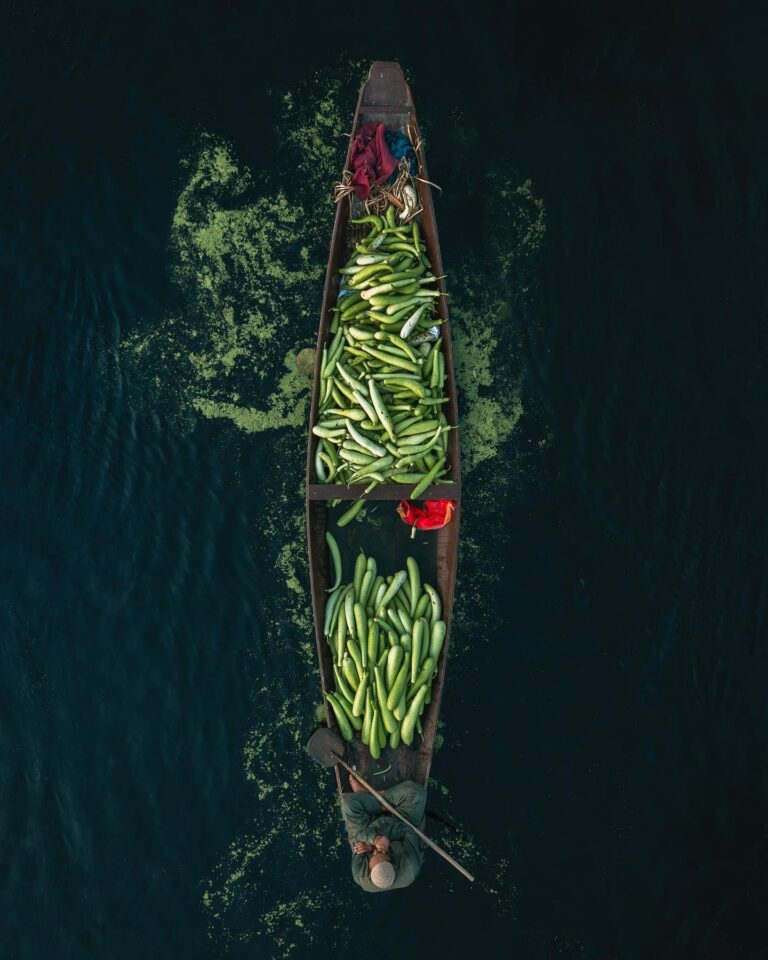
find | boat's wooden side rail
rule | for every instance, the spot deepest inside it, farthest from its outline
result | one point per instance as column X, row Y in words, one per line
column 385, row 491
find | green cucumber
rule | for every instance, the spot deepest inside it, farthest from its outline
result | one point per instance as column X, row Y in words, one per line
column 429, row 477
column 361, row 628
column 365, row 735
column 416, row 427
column 336, row 557
column 436, row 642
column 330, row 612
column 358, row 704
column 414, row 581
column 349, row 611
column 408, row 725
column 421, row 606
column 355, row 722
column 349, row 669
column 394, row 662
column 341, row 635
column 369, row 590
column 342, row 686
column 353, row 511
column 385, row 626
column 424, row 676
column 381, row 589
column 434, row 599
column 406, row 477
column 397, row 581
column 372, row 641
column 417, row 636
column 381, row 410
column 360, row 569
column 374, row 744
column 405, row 619
column 382, row 733
column 354, row 652
column 398, row 687
column 387, row 719
column 399, row 712
column 345, row 727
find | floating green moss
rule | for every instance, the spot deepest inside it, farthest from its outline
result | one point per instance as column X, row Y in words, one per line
column 286, row 407
column 253, row 893
column 246, row 288
column 491, row 401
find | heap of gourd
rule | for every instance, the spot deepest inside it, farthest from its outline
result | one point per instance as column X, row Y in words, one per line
column 380, row 416
column 385, row 636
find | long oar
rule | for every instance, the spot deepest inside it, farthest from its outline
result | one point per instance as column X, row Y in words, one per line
column 325, row 746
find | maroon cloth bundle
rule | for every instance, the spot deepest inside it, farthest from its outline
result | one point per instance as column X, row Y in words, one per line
column 370, row 159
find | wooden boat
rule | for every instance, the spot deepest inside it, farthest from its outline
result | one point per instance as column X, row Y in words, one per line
column 385, row 97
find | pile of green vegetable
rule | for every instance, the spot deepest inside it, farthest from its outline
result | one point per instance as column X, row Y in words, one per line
column 382, row 375
column 385, row 636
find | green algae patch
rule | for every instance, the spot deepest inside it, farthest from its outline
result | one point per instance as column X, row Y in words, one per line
column 284, row 524
column 493, row 287
column 247, row 282
column 256, row 892
column 520, row 230
column 490, row 392
column 285, row 407
column 315, row 122
column 249, row 264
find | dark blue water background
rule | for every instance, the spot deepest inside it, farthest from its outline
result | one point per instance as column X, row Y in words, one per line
column 605, row 715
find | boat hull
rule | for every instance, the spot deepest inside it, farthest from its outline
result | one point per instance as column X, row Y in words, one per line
column 386, row 97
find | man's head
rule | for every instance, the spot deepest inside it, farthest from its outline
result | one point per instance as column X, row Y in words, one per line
column 382, row 871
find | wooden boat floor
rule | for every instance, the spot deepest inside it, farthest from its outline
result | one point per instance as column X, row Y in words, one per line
column 402, row 763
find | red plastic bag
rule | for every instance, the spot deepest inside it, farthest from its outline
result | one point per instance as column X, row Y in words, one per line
column 430, row 515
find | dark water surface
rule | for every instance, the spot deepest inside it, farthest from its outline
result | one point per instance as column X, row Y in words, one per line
column 164, row 227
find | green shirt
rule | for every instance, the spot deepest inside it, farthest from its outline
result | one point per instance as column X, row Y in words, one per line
column 366, row 819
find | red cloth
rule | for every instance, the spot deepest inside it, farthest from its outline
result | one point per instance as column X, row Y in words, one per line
column 432, row 515
column 370, row 159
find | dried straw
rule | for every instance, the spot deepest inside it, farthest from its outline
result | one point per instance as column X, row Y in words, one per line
column 382, row 195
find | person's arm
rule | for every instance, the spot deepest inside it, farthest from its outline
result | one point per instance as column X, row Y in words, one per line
column 359, row 811
column 409, row 799
column 397, row 830
column 407, row 855
column 360, row 872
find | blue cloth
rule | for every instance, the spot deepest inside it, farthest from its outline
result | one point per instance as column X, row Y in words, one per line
column 344, row 290
column 400, row 146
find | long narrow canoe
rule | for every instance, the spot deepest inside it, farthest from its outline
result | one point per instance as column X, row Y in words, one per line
column 384, row 97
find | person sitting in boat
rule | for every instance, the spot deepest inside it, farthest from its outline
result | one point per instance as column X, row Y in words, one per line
column 387, row 854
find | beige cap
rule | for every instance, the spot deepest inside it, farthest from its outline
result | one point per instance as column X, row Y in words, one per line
column 383, row 875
